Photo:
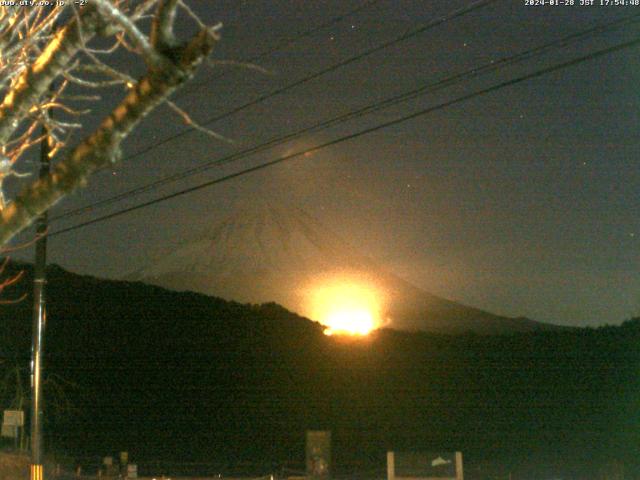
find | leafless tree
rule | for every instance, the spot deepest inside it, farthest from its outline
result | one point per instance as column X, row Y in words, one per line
column 65, row 44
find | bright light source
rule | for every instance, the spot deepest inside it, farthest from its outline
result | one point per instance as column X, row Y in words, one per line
column 346, row 307
column 351, row 322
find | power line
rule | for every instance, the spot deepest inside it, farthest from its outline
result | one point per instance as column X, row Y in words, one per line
column 280, row 46
column 366, row 131
column 428, row 88
column 412, row 33
column 287, row 43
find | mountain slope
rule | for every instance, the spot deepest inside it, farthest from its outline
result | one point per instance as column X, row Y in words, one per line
column 268, row 252
column 183, row 378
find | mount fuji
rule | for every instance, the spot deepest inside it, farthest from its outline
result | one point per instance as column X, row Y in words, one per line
column 268, row 252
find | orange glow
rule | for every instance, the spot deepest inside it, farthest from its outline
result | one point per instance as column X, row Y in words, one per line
column 346, row 307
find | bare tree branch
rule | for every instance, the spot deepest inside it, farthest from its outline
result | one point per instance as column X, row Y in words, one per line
column 162, row 26
column 106, row 8
column 32, row 55
column 103, row 146
column 186, row 118
column 34, row 82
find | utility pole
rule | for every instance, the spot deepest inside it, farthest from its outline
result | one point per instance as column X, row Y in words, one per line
column 39, row 309
column 39, row 322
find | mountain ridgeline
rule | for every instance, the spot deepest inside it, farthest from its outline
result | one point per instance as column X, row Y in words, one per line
column 182, row 377
column 268, row 252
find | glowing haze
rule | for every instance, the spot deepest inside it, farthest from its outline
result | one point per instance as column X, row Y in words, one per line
column 346, row 307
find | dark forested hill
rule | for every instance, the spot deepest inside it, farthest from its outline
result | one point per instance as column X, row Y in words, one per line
column 185, row 377
column 267, row 251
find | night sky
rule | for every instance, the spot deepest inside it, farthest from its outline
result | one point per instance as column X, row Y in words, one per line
column 523, row 201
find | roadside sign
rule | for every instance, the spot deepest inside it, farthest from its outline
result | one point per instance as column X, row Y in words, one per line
column 14, row 418
column 10, row 431
column 132, row 470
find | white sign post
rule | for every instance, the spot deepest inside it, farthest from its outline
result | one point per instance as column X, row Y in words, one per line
column 9, row 431
column 424, row 466
column 12, row 420
column 13, row 417
column 132, row 470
